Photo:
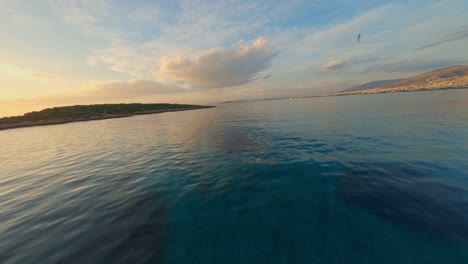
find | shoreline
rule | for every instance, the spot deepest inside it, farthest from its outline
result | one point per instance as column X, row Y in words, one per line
column 363, row 92
column 383, row 91
column 110, row 116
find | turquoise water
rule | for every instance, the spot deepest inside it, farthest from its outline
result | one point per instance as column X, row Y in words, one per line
column 356, row 179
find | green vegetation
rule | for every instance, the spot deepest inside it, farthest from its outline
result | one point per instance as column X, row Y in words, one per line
column 98, row 111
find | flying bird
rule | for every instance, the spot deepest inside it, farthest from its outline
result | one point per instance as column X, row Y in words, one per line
column 359, row 37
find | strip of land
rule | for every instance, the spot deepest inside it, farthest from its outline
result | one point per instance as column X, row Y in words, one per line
column 450, row 78
column 79, row 113
column 455, row 77
column 380, row 91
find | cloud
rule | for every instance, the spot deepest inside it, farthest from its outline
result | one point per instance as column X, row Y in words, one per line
column 411, row 66
column 127, row 89
column 218, row 68
column 452, row 37
column 268, row 76
column 339, row 65
column 20, row 72
column 132, row 37
column 318, row 84
column 135, row 32
column 336, row 65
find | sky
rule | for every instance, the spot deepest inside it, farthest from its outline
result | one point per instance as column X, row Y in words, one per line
column 67, row 52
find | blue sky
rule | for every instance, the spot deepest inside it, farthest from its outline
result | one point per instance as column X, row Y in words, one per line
column 68, row 52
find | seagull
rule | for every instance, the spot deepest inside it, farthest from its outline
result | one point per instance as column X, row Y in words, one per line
column 359, row 37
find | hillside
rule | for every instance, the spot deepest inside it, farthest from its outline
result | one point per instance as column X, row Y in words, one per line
column 454, row 77
column 371, row 85
column 67, row 114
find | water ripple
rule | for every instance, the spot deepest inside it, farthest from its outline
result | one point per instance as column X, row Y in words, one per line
column 365, row 179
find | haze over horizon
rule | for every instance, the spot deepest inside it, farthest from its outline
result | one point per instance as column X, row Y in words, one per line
column 58, row 53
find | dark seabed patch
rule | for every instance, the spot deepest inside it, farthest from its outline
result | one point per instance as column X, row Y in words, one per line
column 423, row 197
column 137, row 235
column 291, row 213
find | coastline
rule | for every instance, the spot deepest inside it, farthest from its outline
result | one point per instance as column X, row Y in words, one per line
column 363, row 92
column 102, row 117
column 379, row 91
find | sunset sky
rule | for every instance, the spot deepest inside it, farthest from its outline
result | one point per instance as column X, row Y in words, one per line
column 66, row 52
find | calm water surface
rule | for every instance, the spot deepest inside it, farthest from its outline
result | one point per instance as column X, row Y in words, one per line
column 356, row 179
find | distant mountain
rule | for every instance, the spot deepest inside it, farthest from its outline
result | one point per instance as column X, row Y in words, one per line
column 371, row 85
column 447, row 78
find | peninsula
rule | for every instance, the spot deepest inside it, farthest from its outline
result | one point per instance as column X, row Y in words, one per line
column 76, row 113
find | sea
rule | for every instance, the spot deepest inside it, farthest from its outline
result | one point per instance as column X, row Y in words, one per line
column 352, row 179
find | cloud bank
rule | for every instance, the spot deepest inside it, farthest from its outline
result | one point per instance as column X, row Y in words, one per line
column 218, row 68
column 128, row 89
